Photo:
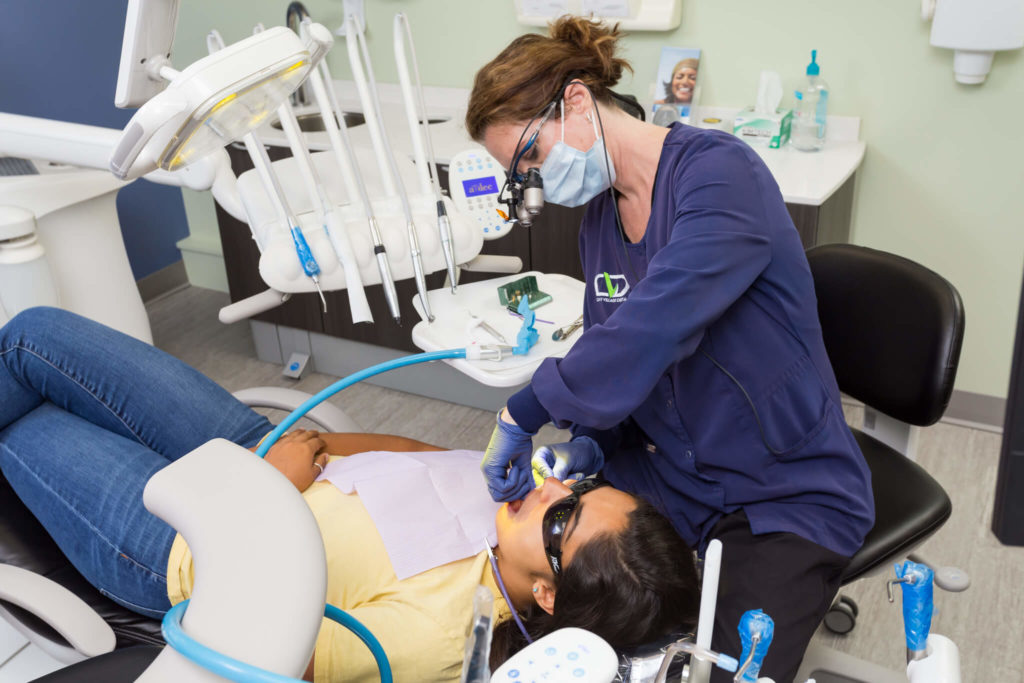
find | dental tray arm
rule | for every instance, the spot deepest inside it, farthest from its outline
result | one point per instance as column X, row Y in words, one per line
column 231, row 506
column 84, row 633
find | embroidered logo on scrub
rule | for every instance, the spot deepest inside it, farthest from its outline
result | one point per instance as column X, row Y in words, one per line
column 610, row 288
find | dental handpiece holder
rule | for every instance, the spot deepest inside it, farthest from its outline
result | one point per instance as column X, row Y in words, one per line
column 931, row 658
column 278, row 266
column 756, row 630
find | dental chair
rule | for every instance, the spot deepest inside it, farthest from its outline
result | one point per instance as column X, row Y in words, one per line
column 45, row 598
column 893, row 331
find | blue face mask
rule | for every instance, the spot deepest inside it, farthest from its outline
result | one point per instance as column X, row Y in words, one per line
column 572, row 177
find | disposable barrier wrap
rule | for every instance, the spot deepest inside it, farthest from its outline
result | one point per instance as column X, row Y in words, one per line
column 755, row 622
column 917, row 603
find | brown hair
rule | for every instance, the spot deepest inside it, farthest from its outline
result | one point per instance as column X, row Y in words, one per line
column 528, row 74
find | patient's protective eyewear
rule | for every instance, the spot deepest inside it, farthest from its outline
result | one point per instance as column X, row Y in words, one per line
column 557, row 517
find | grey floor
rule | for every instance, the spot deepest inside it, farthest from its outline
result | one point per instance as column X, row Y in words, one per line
column 986, row 621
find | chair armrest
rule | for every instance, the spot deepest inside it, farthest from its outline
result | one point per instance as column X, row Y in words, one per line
column 330, row 417
column 249, row 531
column 60, row 609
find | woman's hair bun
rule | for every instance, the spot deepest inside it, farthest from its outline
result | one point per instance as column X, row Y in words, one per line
column 597, row 40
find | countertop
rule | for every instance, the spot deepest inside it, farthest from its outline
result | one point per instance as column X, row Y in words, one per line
column 808, row 178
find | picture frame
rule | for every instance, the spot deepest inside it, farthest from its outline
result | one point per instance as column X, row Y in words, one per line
column 678, row 83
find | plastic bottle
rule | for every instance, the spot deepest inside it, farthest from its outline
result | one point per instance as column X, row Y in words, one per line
column 811, row 110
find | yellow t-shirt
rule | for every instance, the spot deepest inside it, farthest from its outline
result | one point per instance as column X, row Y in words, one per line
column 421, row 622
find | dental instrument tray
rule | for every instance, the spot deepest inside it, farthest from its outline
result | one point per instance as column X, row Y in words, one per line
column 458, row 317
column 510, row 294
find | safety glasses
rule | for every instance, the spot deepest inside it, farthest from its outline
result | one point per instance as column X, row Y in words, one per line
column 557, row 516
column 514, row 173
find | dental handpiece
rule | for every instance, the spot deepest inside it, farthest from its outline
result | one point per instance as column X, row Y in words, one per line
column 414, row 242
column 358, row 306
column 277, row 197
column 444, row 226
column 261, row 161
column 383, row 265
column 443, row 223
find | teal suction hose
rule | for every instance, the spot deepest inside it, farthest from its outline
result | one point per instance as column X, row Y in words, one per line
column 346, row 382
column 240, row 672
column 234, row 670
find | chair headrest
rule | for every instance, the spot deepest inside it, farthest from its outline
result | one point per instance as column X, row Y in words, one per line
column 893, row 329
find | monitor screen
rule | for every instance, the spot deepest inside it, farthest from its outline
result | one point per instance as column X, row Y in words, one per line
column 478, row 186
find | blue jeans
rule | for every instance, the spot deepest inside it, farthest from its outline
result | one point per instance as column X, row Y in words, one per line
column 87, row 415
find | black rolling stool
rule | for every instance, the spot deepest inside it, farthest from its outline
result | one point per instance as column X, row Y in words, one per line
column 893, row 331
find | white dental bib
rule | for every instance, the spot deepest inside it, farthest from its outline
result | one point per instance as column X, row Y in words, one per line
column 430, row 508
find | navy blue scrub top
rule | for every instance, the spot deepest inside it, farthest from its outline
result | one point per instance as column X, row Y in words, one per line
column 702, row 372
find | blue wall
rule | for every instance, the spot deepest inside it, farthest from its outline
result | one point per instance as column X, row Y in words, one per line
column 58, row 60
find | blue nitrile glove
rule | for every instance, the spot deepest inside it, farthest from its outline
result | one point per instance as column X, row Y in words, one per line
column 581, row 456
column 506, row 463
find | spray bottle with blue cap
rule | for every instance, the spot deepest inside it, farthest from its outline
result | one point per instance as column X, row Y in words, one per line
column 811, row 110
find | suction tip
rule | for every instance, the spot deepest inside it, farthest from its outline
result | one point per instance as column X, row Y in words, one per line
column 398, row 320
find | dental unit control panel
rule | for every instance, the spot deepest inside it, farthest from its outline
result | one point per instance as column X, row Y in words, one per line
column 474, row 180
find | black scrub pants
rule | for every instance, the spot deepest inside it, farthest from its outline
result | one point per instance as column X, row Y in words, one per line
column 791, row 579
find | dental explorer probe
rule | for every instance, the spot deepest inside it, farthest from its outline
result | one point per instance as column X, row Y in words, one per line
column 274, row 190
column 387, row 153
column 334, row 123
column 444, row 225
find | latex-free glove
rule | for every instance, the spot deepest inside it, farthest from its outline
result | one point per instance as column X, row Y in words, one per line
column 581, row 456
column 506, row 463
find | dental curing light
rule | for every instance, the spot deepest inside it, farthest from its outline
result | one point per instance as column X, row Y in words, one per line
column 211, row 103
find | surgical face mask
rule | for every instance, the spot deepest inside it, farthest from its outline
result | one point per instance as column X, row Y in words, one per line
column 572, row 177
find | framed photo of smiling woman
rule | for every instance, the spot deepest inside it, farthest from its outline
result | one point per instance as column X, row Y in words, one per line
column 677, row 83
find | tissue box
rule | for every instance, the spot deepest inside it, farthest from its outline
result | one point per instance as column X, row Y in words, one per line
column 765, row 130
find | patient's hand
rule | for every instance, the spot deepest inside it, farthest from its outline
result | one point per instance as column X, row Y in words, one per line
column 294, row 454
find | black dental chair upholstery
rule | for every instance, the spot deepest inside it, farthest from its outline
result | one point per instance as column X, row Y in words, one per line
column 893, row 331
column 25, row 543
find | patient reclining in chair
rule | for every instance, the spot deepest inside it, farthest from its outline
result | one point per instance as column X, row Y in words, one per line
column 88, row 414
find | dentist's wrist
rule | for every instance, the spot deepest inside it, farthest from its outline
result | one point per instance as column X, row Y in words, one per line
column 526, row 410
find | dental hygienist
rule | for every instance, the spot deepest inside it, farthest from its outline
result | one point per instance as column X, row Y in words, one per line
column 701, row 381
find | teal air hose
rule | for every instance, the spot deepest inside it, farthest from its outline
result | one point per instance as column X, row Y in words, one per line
column 346, row 382
column 240, row 672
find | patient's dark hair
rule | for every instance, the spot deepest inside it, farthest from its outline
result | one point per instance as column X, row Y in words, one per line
column 630, row 588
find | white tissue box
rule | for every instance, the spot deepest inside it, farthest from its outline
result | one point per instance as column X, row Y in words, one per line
column 763, row 130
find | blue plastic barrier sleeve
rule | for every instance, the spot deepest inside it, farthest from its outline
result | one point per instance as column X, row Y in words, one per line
column 917, row 603
column 528, row 334
column 755, row 622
